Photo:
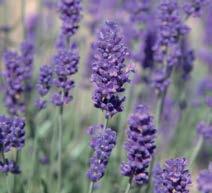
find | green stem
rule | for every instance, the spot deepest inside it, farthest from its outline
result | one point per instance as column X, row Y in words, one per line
column 15, row 178
column 158, row 113
column 106, row 123
column 127, row 190
column 30, row 180
column 91, row 187
column 52, row 154
column 60, row 128
column 196, row 151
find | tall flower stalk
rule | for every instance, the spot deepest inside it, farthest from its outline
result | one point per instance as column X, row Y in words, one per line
column 140, row 146
column 109, row 75
column 65, row 65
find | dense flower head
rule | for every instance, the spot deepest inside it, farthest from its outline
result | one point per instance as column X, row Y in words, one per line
column 140, row 146
column 204, row 180
column 12, row 133
column 139, row 9
column 44, row 84
column 70, row 14
column 170, row 28
column 27, row 53
column 160, row 81
column 194, row 7
column 102, row 142
column 205, row 130
column 173, row 177
column 109, row 71
column 65, row 65
column 9, row 166
column 14, row 82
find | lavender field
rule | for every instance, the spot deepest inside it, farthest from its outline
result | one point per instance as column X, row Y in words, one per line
column 105, row 96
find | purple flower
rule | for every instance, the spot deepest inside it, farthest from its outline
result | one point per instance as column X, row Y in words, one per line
column 12, row 133
column 173, row 177
column 205, row 130
column 148, row 56
column 160, row 81
column 27, row 54
column 49, row 4
column 186, row 60
column 65, row 65
column 31, row 24
column 109, row 71
column 170, row 29
column 102, row 142
column 44, row 84
column 139, row 9
column 194, row 7
column 14, row 82
column 205, row 86
column 9, row 166
column 70, row 14
column 208, row 26
column 168, row 52
column 209, row 101
column 140, row 146
column 205, row 180
column 206, row 56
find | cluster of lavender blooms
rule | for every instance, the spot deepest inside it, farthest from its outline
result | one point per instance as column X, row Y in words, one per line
column 140, row 146
column 65, row 62
column 70, row 14
column 109, row 71
column 18, row 76
column 205, row 180
column 173, row 177
column 102, row 142
column 65, row 65
column 170, row 29
column 12, row 135
column 139, row 10
column 44, row 84
column 194, row 7
column 27, row 55
column 14, row 83
column 171, row 47
column 205, row 130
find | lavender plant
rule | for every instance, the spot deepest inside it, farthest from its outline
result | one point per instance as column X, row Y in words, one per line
column 45, row 149
column 140, row 145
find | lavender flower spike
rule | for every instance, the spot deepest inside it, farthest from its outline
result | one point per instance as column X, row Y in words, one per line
column 194, row 7
column 102, row 142
column 9, row 166
column 173, row 177
column 70, row 14
column 12, row 133
column 140, row 145
column 109, row 71
column 14, row 79
column 65, row 65
column 205, row 180
column 44, row 84
column 205, row 130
